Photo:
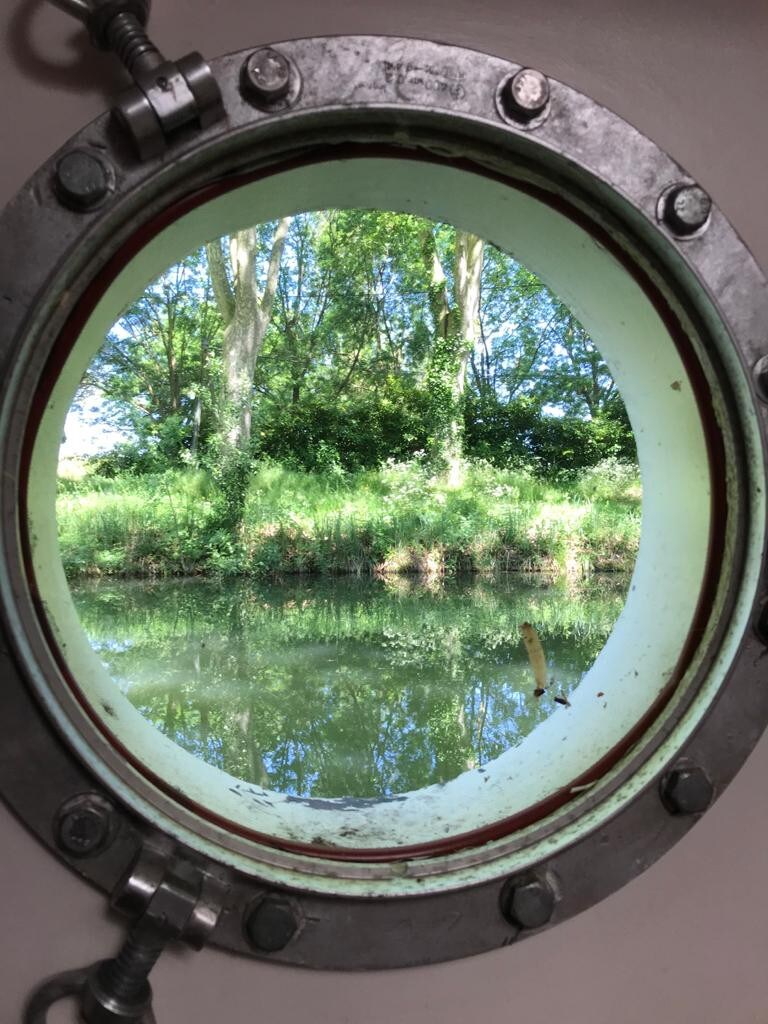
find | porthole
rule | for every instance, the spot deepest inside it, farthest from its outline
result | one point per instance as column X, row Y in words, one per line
column 357, row 627
column 589, row 797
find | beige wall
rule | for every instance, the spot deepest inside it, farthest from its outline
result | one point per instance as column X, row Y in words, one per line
column 689, row 940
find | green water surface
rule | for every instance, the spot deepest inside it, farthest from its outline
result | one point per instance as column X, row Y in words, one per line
column 345, row 687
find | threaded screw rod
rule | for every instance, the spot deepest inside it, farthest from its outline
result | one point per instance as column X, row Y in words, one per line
column 127, row 39
column 118, row 27
column 125, row 977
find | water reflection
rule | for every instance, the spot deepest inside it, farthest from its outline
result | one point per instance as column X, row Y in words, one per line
column 344, row 687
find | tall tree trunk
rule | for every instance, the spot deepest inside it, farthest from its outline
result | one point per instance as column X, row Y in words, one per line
column 457, row 332
column 246, row 310
column 468, row 272
column 197, row 412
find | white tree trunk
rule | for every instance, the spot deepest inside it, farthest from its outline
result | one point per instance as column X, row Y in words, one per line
column 246, row 310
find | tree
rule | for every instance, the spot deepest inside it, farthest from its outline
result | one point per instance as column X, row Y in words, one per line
column 297, row 341
column 456, row 334
column 339, row 377
column 154, row 370
column 574, row 374
column 340, row 338
column 245, row 305
column 516, row 328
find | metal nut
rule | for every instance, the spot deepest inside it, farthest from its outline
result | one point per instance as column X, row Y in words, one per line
column 266, row 76
column 83, row 180
column 761, row 377
column 687, row 790
column 271, row 924
column 686, row 209
column 525, row 95
column 84, row 825
column 528, row 903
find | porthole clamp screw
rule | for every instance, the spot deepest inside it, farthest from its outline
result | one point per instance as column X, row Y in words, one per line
column 271, row 923
column 180, row 901
column 685, row 209
column 528, row 902
column 525, row 95
column 83, row 180
column 167, row 95
column 266, row 77
column 84, row 825
column 687, row 789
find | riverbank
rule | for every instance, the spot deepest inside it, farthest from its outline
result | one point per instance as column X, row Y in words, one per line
column 395, row 520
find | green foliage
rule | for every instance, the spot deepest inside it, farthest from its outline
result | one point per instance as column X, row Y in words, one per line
column 399, row 518
column 152, row 452
column 445, row 410
column 609, row 480
column 357, row 431
column 230, row 472
column 361, row 371
column 361, row 359
column 518, row 432
column 154, row 524
column 156, row 372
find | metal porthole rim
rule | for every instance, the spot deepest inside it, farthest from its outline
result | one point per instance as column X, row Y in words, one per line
column 362, row 97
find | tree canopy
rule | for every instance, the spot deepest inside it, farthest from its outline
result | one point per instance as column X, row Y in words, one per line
column 343, row 338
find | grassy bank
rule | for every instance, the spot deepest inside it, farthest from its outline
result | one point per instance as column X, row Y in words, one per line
column 395, row 520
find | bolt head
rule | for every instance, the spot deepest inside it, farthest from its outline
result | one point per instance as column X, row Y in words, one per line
column 687, row 790
column 528, row 903
column 686, row 209
column 266, row 76
column 271, row 924
column 761, row 377
column 84, row 825
column 83, row 180
column 525, row 95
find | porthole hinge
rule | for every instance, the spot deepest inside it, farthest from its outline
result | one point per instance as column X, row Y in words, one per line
column 171, row 899
column 166, row 95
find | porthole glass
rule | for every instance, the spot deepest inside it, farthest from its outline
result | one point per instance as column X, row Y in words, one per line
column 435, row 526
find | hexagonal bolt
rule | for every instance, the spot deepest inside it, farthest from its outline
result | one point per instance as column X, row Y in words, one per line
column 83, row 180
column 84, row 825
column 687, row 790
column 525, row 95
column 686, row 209
column 271, row 924
column 528, row 902
column 266, row 76
column 761, row 377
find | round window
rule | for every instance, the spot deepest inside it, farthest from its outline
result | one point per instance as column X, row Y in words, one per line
column 649, row 731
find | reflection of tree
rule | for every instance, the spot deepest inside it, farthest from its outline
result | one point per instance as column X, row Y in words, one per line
column 342, row 689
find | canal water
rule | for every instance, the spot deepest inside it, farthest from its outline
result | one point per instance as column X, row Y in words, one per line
column 346, row 687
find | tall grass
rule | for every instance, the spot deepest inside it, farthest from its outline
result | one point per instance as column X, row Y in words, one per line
column 397, row 519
